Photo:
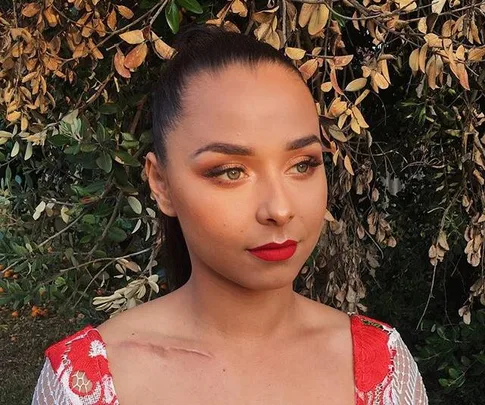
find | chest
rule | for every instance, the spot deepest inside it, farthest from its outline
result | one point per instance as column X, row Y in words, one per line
column 294, row 376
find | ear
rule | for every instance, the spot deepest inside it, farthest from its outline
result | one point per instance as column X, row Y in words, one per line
column 157, row 179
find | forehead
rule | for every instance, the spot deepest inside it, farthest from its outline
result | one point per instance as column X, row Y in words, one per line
column 240, row 103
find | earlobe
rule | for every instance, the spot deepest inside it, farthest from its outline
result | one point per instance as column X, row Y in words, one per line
column 157, row 180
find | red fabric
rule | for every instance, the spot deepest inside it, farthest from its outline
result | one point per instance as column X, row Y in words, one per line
column 85, row 351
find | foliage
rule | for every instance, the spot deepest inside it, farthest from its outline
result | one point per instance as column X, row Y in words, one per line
column 398, row 85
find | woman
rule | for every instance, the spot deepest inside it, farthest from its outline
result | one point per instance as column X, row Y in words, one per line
column 238, row 175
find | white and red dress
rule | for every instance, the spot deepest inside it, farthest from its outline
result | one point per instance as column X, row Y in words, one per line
column 76, row 369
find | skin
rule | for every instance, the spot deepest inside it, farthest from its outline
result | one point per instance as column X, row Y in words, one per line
column 238, row 314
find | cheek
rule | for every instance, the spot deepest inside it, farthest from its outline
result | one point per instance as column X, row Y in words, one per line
column 204, row 216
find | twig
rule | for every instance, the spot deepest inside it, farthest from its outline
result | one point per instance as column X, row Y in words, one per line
column 61, row 231
column 119, row 198
column 442, row 225
column 130, row 24
column 283, row 20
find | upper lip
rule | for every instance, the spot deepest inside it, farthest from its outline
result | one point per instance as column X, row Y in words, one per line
column 274, row 245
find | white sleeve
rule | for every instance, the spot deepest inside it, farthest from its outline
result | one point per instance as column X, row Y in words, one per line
column 49, row 390
column 407, row 384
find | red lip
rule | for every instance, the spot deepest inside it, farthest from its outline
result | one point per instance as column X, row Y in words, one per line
column 275, row 251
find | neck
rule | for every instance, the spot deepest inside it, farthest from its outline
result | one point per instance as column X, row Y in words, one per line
column 222, row 308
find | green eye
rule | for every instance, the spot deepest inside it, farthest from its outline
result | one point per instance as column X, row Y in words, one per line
column 233, row 174
column 302, row 167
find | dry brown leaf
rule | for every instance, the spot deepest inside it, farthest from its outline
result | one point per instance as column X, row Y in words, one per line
column 406, row 5
column 431, row 72
column 119, row 62
column 94, row 50
column 382, row 64
column 476, row 54
column 342, row 119
column 318, row 19
column 133, row 37
column 341, row 61
column 422, row 58
column 333, row 80
column 474, row 32
column 162, row 49
column 306, row 12
column 379, row 80
column 337, row 107
column 362, row 97
column 112, row 20
column 308, row 69
column 460, row 53
column 462, row 75
column 433, row 40
column 295, row 53
column 13, row 116
column 437, row 6
column 414, row 60
column 359, row 117
column 422, row 26
column 348, row 165
column 30, row 9
column 136, row 56
column 326, row 87
column 354, row 125
column 356, row 85
column 125, row 12
column 238, row 7
column 50, row 16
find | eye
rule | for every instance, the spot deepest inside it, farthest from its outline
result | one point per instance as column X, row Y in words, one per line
column 302, row 167
column 230, row 173
column 233, row 174
column 307, row 166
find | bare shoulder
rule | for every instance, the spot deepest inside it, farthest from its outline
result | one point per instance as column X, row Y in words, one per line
column 324, row 316
column 143, row 323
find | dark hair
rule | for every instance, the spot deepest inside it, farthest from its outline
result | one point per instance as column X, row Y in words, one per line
column 200, row 48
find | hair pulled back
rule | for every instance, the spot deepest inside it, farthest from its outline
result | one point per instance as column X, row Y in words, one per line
column 199, row 48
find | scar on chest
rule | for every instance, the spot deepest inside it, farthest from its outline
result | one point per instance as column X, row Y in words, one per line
column 165, row 350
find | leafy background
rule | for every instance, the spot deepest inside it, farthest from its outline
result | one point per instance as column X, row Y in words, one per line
column 399, row 88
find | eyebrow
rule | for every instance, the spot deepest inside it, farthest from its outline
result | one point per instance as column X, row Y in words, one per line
column 239, row 150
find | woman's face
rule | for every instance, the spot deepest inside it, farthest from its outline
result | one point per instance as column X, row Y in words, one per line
column 244, row 169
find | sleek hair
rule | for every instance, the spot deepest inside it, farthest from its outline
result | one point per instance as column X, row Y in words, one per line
column 199, row 48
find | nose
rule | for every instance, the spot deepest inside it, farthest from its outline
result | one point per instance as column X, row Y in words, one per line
column 275, row 206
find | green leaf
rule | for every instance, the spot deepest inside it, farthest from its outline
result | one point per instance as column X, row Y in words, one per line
column 146, row 137
column 101, row 134
column 129, row 144
column 104, row 162
column 59, row 140
column 88, row 147
column 135, row 204
column 126, row 158
column 72, row 150
column 116, row 234
column 172, row 17
column 89, row 219
column 109, row 108
column 191, row 5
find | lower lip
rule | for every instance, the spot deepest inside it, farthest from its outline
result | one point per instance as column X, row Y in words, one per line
column 275, row 255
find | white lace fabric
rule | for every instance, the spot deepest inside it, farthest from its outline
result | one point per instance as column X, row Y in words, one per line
column 406, row 387
column 407, row 383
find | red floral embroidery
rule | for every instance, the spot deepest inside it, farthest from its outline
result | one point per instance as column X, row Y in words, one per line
column 81, row 364
column 372, row 359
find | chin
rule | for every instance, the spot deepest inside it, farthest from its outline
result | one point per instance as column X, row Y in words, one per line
column 276, row 280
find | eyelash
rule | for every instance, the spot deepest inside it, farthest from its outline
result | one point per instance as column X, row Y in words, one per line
column 312, row 163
